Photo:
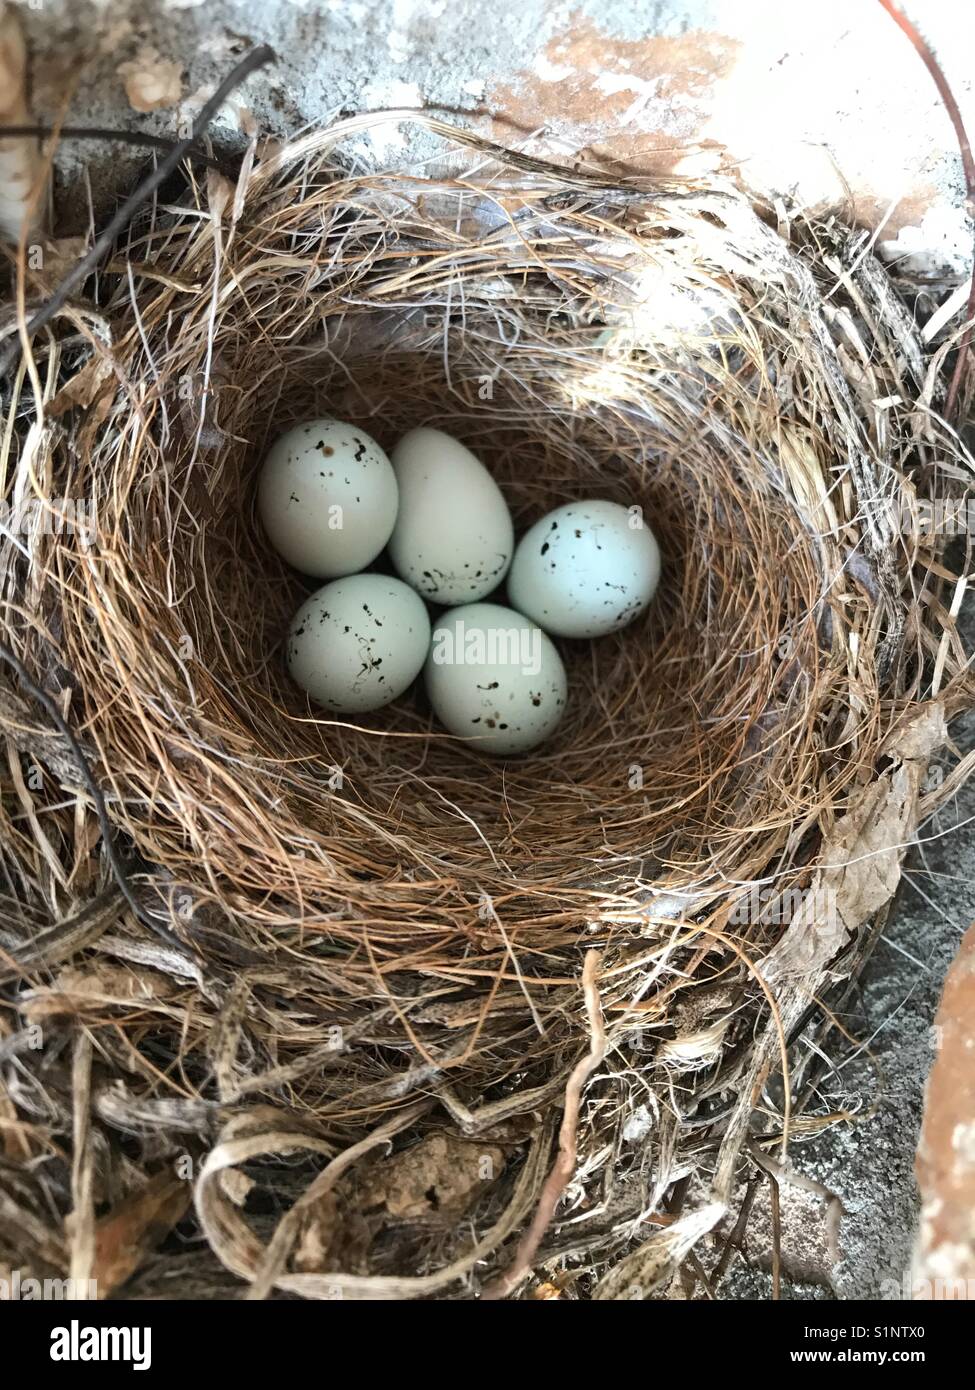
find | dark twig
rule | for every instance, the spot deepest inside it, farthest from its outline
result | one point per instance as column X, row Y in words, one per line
column 701, row 1273
column 834, row 1207
column 127, row 137
column 79, row 272
column 94, row 790
column 737, row 1235
column 776, row 1237
column 927, row 57
column 564, row 1166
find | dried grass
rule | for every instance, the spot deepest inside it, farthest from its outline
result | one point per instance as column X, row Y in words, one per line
column 360, row 963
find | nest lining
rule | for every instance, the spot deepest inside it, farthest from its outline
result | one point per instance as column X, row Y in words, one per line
column 383, row 930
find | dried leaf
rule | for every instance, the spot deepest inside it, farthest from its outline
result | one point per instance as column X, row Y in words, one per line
column 84, row 387
column 317, row 1234
column 19, row 157
column 651, row 1266
column 126, row 1235
column 220, row 193
column 151, row 81
column 862, row 858
column 79, row 987
column 235, row 1185
column 920, row 736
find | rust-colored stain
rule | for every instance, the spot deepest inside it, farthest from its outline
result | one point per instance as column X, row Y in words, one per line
column 946, row 1154
column 870, row 208
column 657, row 106
column 632, row 102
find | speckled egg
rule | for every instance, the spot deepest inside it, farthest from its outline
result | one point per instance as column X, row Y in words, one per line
column 327, row 498
column 358, row 642
column 494, row 678
column 585, row 569
column 453, row 538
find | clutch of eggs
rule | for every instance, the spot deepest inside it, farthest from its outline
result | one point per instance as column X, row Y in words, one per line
column 330, row 500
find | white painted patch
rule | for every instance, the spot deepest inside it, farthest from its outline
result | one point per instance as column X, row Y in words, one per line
column 378, row 95
column 942, row 240
column 551, row 72
column 644, row 92
column 947, row 1260
column 398, row 39
column 226, row 117
column 386, row 139
column 613, row 82
column 963, row 1142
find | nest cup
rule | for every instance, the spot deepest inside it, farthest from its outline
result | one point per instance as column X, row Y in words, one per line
column 387, row 927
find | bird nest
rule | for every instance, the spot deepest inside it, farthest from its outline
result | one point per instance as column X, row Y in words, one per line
column 351, row 1007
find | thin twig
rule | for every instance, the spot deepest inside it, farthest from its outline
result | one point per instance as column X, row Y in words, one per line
column 564, row 1166
column 81, row 1223
column 927, row 57
column 694, row 1260
column 834, row 1207
column 773, row 1187
column 80, row 271
column 96, row 132
column 737, row 1234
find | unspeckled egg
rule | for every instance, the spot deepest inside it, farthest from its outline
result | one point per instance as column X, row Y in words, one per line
column 453, row 538
column 585, row 569
column 495, row 678
column 327, row 498
column 358, row 642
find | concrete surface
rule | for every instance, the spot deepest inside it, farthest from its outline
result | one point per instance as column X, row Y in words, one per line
column 823, row 103
column 869, row 1163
